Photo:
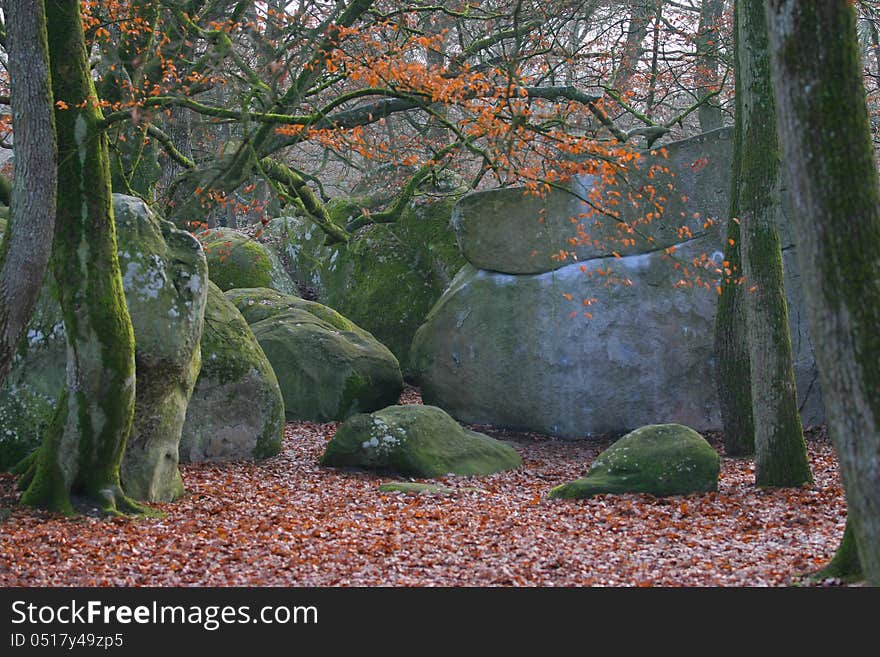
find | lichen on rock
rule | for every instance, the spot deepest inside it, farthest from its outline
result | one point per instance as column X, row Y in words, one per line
column 416, row 441
column 660, row 459
column 236, row 410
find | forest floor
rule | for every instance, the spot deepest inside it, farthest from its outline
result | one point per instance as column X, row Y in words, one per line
column 287, row 521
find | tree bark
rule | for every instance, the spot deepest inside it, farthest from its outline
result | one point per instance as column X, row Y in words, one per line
column 24, row 255
column 780, row 451
column 633, row 48
column 81, row 452
column 826, row 140
column 708, row 42
column 845, row 564
column 733, row 368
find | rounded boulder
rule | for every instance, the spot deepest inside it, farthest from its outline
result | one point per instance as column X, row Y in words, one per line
column 659, row 459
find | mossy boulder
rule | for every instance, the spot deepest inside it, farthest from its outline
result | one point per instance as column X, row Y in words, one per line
column 165, row 280
column 29, row 393
column 327, row 367
column 387, row 278
column 257, row 304
column 660, row 459
column 235, row 260
column 165, row 277
column 236, row 410
column 416, row 441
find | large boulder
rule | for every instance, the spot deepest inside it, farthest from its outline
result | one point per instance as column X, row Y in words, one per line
column 400, row 268
column 416, row 441
column 165, row 280
column 236, row 410
column 517, row 350
column 235, row 260
column 664, row 459
column 671, row 194
column 257, row 304
column 165, row 277
column 328, row 367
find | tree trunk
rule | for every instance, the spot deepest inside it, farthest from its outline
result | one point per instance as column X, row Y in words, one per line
column 633, row 46
column 178, row 127
column 733, row 369
column 845, row 564
column 708, row 46
column 83, row 447
column 24, row 255
column 780, row 450
column 825, row 134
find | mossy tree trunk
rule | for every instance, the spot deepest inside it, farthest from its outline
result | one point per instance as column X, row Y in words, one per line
column 733, row 369
column 826, row 140
column 845, row 564
column 24, row 255
column 83, row 447
column 780, row 451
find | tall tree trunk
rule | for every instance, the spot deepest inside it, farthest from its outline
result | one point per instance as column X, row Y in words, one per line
column 733, row 369
column 633, row 48
column 780, row 450
column 83, row 447
column 178, row 127
column 708, row 46
column 825, row 135
column 24, row 255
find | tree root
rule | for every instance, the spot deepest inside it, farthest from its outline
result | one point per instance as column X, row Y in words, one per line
column 845, row 565
column 114, row 502
column 26, row 469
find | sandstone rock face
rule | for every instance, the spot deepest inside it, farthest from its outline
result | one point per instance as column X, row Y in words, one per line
column 515, row 349
column 512, row 231
column 236, row 410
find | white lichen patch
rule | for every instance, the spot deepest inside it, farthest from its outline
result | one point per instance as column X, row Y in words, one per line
column 145, row 281
column 194, row 286
column 383, row 439
column 35, row 337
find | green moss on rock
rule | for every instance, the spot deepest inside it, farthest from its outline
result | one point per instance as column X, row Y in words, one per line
column 659, row 459
column 257, row 304
column 29, row 393
column 327, row 372
column 416, row 441
column 236, row 410
column 235, row 260
column 414, row 488
column 388, row 277
column 165, row 277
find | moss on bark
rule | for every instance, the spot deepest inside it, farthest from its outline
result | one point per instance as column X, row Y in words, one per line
column 780, row 450
column 83, row 448
column 733, row 371
column 826, row 138
column 845, row 565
